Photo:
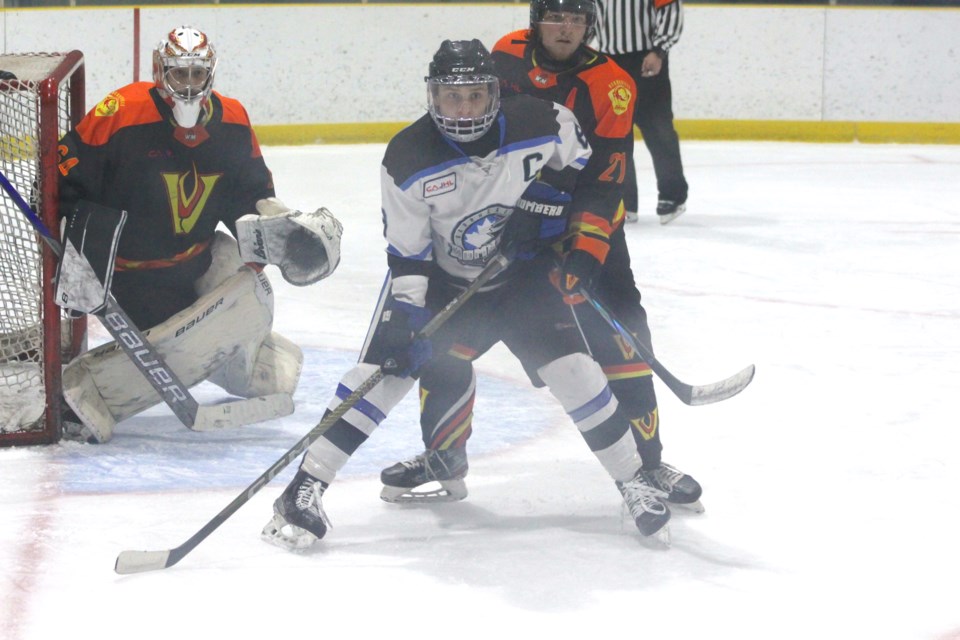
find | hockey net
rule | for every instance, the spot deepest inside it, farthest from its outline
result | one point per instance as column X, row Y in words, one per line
column 41, row 98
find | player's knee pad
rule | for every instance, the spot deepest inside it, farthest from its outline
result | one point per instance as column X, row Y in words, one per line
column 195, row 343
column 578, row 382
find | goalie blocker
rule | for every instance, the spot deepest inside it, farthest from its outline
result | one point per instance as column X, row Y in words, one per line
column 224, row 337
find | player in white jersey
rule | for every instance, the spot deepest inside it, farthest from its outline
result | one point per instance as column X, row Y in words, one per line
column 452, row 186
column 551, row 60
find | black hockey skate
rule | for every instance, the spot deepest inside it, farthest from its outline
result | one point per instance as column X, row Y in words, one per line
column 448, row 467
column 681, row 489
column 298, row 517
column 645, row 503
column 668, row 210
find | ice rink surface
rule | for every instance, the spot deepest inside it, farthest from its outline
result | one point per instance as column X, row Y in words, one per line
column 830, row 484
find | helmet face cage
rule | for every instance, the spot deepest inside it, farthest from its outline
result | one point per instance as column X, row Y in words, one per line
column 184, row 64
column 588, row 8
column 456, row 68
column 464, row 128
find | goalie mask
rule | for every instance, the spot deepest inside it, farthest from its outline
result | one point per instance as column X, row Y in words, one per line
column 463, row 91
column 183, row 67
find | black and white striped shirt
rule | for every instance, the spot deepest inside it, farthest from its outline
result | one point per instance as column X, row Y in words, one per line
column 625, row 26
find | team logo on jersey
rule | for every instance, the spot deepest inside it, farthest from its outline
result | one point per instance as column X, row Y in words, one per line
column 476, row 237
column 647, row 426
column 437, row 186
column 620, row 96
column 188, row 193
column 109, row 105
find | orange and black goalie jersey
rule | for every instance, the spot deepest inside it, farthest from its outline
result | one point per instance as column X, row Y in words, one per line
column 601, row 95
column 176, row 184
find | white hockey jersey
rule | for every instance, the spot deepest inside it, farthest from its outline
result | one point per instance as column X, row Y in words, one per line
column 442, row 205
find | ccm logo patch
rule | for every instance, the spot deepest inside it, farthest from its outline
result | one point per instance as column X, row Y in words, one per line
column 437, row 186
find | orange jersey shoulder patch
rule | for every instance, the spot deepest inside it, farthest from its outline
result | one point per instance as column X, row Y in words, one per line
column 128, row 106
column 613, row 94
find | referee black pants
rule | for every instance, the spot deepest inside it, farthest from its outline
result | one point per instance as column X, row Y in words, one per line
column 654, row 118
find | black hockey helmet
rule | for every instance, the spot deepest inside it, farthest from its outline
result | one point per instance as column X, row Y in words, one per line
column 463, row 63
column 582, row 7
column 461, row 57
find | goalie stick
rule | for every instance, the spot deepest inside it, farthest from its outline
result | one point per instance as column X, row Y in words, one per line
column 152, row 365
column 132, row 561
column 690, row 394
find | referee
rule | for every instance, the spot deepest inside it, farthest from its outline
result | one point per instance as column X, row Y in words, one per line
column 638, row 35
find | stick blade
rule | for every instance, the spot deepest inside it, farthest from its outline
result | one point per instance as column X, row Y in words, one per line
column 140, row 561
column 710, row 393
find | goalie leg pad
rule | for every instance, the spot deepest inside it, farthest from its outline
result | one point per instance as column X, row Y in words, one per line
column 235, row 316
column 83, row 397
column 225, row 261
column 274, row 369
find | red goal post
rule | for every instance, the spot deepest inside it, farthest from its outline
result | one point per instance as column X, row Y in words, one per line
column 41, row 98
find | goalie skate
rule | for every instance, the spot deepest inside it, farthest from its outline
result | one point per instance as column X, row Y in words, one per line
column 298, row 516
column 75, row 430
column 408, row 481
column 645, row 505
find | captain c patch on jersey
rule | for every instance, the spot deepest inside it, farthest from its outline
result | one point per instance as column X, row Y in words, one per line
column 437, row 186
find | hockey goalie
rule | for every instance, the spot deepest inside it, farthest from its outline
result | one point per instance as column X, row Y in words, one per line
column 146, row 179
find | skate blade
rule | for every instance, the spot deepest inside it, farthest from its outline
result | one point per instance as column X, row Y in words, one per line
column 280, row 533
column 669, row 217
column 696, row 506
column 449, row 491
column 660, row 539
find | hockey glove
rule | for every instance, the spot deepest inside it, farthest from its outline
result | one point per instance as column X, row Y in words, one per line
column 306, row 246
column 579, row 270
column 403, row 354
column 538, row 219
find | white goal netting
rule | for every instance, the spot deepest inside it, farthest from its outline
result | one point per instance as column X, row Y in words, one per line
column 30, row 121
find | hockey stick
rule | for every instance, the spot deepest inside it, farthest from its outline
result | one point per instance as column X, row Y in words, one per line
column 152, row 365
column 140, row 561
column 689, row 394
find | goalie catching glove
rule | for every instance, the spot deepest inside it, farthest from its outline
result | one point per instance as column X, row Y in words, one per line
column 306, row 246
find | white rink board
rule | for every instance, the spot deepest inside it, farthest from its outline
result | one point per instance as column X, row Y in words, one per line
column 365, row 63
